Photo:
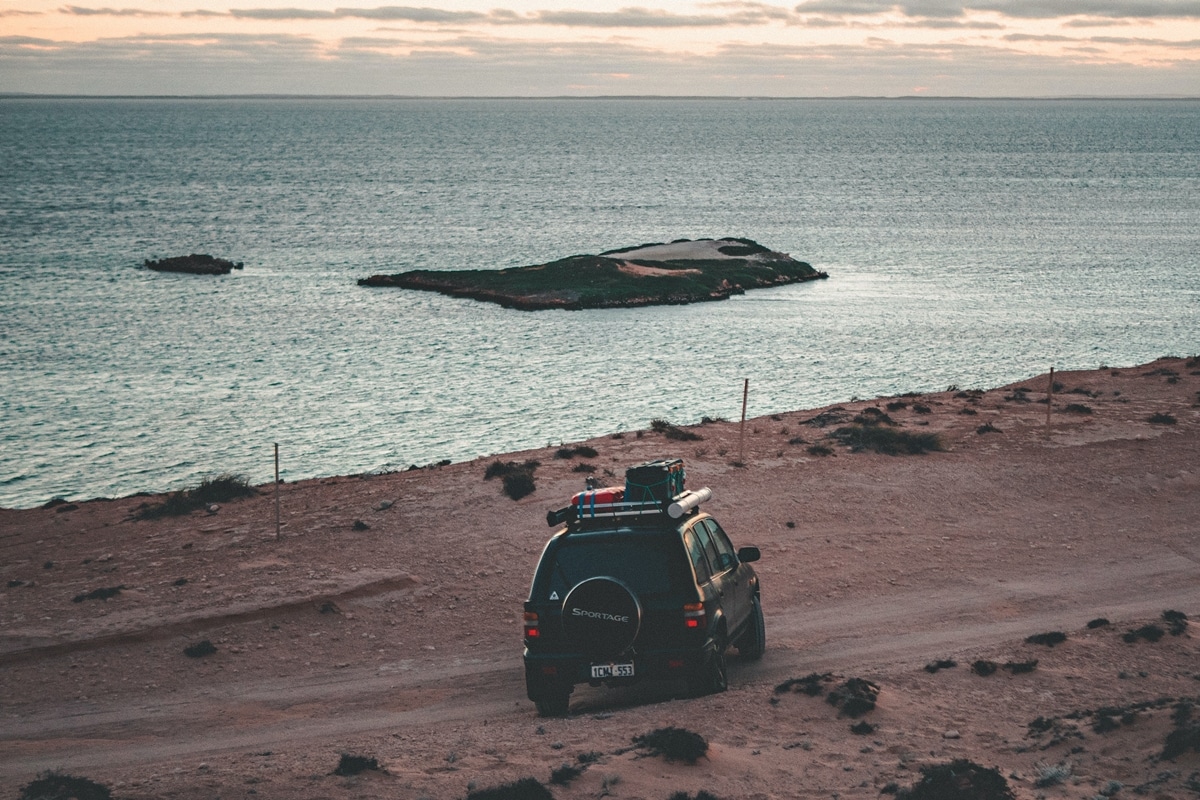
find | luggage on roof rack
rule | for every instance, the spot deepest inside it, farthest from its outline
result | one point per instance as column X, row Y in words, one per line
column 651, row 489
column 655, row 481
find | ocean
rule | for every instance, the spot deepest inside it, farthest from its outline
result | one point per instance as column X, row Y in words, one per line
column 968, row 243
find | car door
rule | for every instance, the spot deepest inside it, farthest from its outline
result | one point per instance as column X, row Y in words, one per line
column 736, row 578
column 724, row 577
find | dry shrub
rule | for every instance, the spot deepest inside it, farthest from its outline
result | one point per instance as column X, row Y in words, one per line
column 516, row 476
column 524, row 789
column 219, row 489
column 673, row 744
column 673, row 431
column 353, row 765
column 98, row 594
column 961, row 779
column 887, row 440
column 60, row 786
column 855, row 697
column 200, row 649
column 1049, row 639
column 810, row 684
column 1151, row 633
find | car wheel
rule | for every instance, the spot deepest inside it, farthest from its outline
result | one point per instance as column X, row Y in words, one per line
column 554, row 702
column 753, row 642
column 712, row 677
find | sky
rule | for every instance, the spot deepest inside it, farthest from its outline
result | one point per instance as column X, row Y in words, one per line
column 535, row 48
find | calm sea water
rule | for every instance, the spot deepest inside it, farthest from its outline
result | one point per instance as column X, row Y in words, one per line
column 968, row 242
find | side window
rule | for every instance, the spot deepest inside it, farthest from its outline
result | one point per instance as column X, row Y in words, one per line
column 725, row 555
column 710, row 547
column 696, row 553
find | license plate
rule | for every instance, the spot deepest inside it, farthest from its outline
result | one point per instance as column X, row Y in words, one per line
column 612, row 670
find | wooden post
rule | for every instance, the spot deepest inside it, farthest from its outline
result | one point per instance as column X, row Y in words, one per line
column 277, row 491
column 1049, row 399
column 742, row 443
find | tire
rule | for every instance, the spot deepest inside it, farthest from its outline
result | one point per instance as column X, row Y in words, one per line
column 712, row 677
column 554, row 702
column 601, row 617
column 753, row 641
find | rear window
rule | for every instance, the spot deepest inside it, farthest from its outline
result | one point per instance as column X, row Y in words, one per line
column 647, row 564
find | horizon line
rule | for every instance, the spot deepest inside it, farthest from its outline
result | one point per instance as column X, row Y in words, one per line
column 305, row 96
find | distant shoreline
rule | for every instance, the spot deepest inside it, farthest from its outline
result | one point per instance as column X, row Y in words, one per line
column 647, row 97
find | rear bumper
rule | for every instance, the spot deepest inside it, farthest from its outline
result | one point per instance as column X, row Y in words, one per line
column 556, row 671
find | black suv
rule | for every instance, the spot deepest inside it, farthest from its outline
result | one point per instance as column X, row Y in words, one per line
column 639, row 593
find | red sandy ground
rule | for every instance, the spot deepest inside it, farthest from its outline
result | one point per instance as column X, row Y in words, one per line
column 873, row 566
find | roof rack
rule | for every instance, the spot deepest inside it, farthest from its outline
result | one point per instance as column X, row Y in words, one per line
column 610, row 504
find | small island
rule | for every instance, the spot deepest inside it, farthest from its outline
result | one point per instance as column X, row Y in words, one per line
column 195, row 264
column 679, row 272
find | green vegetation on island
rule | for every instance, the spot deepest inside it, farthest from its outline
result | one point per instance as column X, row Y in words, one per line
column 683, row 271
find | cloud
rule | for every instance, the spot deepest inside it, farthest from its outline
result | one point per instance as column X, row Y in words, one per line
column 79, row 11
column 629, row 18
column 1024, row 9
column 741, row 15
column 204, row 63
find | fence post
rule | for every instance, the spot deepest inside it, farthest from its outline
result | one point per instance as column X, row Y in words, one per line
column 277, row 491
column 742, row 442
column 1049, row 399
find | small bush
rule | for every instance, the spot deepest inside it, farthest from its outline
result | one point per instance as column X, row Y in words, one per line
column 961, row 779
column 897, row 405
column 945, row 663
column 1177, row 621
column 855, row 697
column 1098, row 622
column 820, row 450
column 886, row 440
column 60, row 786
column 588, row 468
column 1048, row 639
column 969, row 412
column 99, row 594
column 983, row 667
column 565, row 774
column 519, row 484
column 1077, row 408
column 219, row 489
column 700, row 795
column 1185, row 736
column 524, row 789
column 673, row 744
column 353, row 765
column 1051, row 775
column 1021, row 667
column 863, row 728
column 570, row 452
column 498, row 469
column 712, row 420
column 873, row 416
column 1161, row 419
column 674, row 432
column 200, row 649
column 810, row 684
column 517, row 477
column 1151, row 633
column 987, row 427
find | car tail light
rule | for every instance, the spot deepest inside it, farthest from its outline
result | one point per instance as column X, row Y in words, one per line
column 532, row 631
column 693, row 615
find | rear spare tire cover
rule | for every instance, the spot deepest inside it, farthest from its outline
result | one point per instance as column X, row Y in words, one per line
column 601, row 617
